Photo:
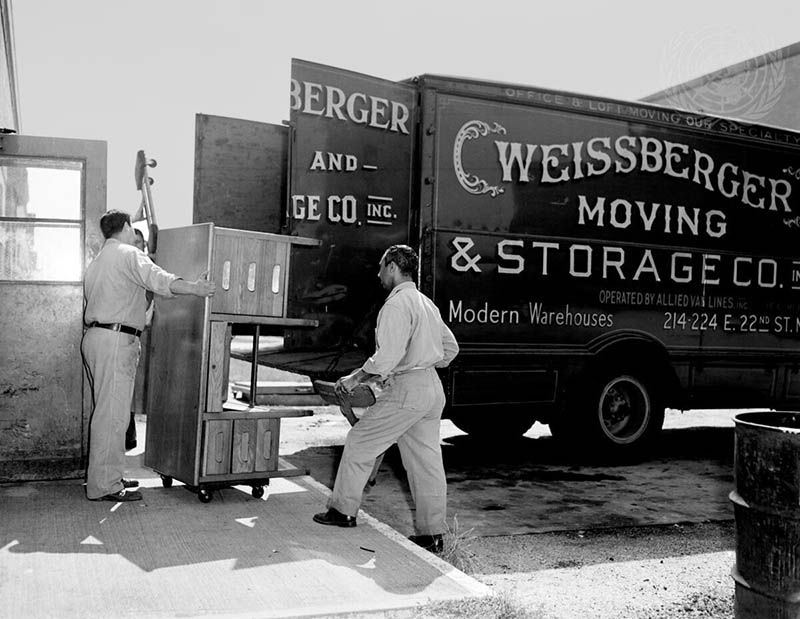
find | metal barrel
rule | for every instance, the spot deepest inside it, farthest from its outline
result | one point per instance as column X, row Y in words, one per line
column 766, row 503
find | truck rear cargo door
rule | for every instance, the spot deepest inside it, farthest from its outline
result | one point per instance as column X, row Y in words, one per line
column 350, row 187
column 240, row 173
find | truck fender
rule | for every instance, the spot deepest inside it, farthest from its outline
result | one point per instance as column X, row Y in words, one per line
column 650, row 353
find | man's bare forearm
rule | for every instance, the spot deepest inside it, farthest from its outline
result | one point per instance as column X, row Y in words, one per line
column 199, row 288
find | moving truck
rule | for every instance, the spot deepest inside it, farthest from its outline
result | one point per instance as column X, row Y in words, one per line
column 597, row 260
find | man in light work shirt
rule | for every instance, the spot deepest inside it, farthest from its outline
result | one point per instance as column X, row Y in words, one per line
column 114, row 290
column 411, row 340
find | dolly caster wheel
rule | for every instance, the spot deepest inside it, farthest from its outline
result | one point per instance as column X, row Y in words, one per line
column 204, row 495
column 166, row 481
column 258, row 492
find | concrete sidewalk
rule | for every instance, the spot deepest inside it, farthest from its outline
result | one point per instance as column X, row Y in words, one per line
column 171, row 555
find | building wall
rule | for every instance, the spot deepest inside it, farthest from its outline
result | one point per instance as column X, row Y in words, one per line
column 764, row 90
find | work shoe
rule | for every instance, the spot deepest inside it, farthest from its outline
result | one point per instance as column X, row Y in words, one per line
column 121, row 496
column 431, row 543
column 130, row 483
column 335, row 518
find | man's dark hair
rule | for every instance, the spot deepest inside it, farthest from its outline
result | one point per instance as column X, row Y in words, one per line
column 405, row 258
column 113, row 221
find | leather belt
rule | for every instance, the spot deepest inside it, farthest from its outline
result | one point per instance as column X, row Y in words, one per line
column 416, row 368
column 115, row 326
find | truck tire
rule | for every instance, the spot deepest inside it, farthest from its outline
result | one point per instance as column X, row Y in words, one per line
column 487, row 423
column 619, row 413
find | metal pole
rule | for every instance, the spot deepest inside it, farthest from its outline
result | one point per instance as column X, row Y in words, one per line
column 254, row 368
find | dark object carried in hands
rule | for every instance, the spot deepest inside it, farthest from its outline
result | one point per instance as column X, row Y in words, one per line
column 361, row 396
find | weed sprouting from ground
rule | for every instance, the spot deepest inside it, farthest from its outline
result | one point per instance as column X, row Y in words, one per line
column 457, row 551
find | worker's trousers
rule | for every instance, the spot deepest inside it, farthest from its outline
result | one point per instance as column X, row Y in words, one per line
column 110, row 359
column 408, row 413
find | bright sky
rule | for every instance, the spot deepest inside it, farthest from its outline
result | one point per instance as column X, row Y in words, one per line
column 135, row 72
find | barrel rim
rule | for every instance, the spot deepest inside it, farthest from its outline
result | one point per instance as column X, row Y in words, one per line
column 755, row 419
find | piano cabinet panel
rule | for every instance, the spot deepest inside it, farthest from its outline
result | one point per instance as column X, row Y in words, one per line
column 250, row 271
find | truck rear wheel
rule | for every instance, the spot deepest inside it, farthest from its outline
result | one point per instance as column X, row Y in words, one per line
column 619, row 413
column 489, row 423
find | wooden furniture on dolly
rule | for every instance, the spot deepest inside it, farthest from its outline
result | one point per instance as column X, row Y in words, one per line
column 193, row 434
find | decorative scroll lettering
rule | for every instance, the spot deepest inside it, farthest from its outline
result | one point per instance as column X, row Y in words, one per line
column 473, row 130
column 792, row 172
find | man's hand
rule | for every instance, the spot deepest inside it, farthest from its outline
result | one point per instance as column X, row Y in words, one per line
column 148, row 315
column 204, row 287
column 347, row 383
column 201, row 287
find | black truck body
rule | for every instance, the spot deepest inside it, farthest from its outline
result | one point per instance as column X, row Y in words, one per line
column 597, row 260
